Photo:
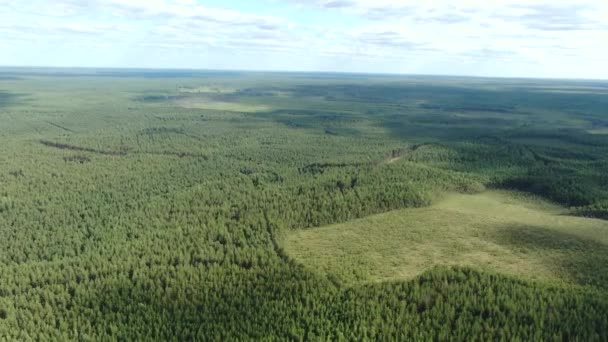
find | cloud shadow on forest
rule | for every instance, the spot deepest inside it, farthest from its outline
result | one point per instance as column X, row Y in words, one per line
column 9, row 98
column 583, row 260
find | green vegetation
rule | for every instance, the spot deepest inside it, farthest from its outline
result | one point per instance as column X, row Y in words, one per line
column 493, row 231
column 178, row 205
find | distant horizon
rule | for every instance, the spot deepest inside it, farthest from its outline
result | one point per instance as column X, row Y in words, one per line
column 540, row 39
column 143, row 69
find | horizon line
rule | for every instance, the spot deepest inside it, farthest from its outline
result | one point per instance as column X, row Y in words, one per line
column 279, row 71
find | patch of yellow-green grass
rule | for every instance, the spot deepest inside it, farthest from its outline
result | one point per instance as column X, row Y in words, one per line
column 598, row 131
column 500, row 231
column 201, row 103
column 212, row 89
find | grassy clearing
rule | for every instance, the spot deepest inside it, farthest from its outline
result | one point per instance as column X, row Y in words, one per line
column 598, row 131
column 211, row 89
column 496, row 230
column 201, row 103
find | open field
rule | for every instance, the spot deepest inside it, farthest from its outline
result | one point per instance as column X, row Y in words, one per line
column 296, row 206
column 599, row 131
column 491, row 231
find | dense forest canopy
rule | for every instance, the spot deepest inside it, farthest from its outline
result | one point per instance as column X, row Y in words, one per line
column 154, row 204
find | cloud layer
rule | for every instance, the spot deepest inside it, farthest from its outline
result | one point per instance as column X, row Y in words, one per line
column 534, row 38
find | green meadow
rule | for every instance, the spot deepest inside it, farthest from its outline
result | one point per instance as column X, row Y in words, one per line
column 498, row 231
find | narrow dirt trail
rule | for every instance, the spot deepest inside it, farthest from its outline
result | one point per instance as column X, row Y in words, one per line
column 399, row 154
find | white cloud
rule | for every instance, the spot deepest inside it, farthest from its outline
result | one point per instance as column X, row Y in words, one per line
column 379, row 35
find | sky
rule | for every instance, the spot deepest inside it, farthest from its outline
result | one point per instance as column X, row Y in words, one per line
column 509, row 38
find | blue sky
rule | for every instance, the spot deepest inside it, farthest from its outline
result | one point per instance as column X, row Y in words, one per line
column 511, row 38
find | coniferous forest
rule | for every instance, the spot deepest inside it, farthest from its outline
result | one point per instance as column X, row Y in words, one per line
column 155, row 205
